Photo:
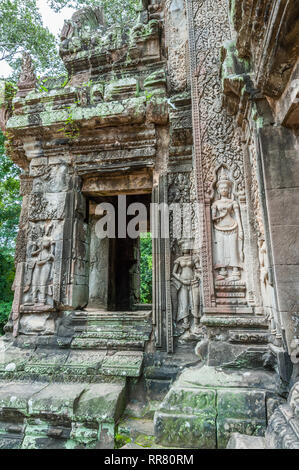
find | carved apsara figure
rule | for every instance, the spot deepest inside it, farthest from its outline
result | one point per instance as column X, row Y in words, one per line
column 186, row 280
column 263, row 262
column 40, row 269
column 228, row 231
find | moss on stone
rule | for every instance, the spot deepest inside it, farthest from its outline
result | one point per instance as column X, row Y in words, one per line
column 121, row 440
column 145, row 441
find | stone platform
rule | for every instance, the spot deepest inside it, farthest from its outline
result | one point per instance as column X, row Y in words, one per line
column 206, row 404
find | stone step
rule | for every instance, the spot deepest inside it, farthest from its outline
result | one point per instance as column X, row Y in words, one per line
column 133, row 427
column 235, row 321
column 53, row 415
column 116, row 330
column 98, row 315
column 230, row 301
column 91, row 365
column 103, row 344
column 110, row 334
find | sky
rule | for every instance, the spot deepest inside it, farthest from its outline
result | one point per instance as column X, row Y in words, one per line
column 53, row 20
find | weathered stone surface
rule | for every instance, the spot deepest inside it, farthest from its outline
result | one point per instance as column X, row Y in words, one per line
column 206, row 405
column 136, row 427
column 240, row 411
column 185, row 431
column 101, row 402
column 56, row 415
column 282, row 431
column 195, row 105
column 127, row 364
column 239, row 441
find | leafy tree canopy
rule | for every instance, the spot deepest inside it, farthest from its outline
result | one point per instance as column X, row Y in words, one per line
column 10, row 206
column 22, row 29
column 10, row 203
column 116, row 11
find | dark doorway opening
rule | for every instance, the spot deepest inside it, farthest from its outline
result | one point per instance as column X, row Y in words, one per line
column 120, row 267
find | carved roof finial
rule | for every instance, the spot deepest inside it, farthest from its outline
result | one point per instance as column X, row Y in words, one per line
column 27, row 80
column 86, row 19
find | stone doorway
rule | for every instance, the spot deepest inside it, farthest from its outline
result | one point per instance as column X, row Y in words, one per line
column 114, row 272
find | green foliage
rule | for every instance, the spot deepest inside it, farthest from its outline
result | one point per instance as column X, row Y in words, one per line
column 9, row 217
column 121, row 440
column 70, row 129
column 22, row 30
column 10, row 201
column 5, row 308
column 146, row 265
column 116, row 12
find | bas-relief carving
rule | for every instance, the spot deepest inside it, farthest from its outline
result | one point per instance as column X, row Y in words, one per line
column 50, row 183
column 185, row 257
column 47, row 206
column 177, row 40
column 228, row 230
column 38, row 288
column 50, row 178
column 217, row 142
column 267, row 289
column 181, row 191
column 185, row 286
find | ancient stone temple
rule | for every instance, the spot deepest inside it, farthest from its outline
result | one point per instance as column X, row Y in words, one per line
column 195, row 107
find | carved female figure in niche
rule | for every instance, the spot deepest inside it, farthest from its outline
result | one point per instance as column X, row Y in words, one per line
column 41, row 272
column 186, row 280
column 228, row 231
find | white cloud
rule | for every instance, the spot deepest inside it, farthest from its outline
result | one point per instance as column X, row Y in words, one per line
column 54, row 21
column 5, row 69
